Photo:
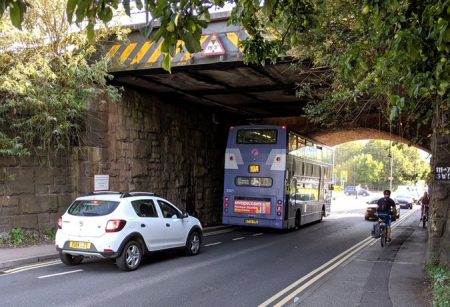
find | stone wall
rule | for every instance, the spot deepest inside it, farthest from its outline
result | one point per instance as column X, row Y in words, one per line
column 172, row 149
column 34, row 193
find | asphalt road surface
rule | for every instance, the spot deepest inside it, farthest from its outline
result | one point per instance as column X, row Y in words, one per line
column 244, row 267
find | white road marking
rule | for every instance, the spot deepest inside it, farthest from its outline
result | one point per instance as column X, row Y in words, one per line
column 257, row 234
column 296, row 283
column 58, row 274
column 32, row 266
column 240, row 238
column 211, row 244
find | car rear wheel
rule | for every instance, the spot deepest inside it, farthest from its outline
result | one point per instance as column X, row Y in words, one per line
column 131, row 257
column 69, row 259
column 193, row 244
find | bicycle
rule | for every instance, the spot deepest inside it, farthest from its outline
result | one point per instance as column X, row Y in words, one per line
column 425, row 215
column 383, row 234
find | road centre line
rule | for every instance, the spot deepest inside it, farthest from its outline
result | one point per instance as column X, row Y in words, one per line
column 211, row 244
column 32, row 266
column 59, row 274
column 257, row 234
column 296, row 283
column 317, row 277
column 240, row 238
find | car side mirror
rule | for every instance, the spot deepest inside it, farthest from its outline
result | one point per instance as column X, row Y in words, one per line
column 184, row 215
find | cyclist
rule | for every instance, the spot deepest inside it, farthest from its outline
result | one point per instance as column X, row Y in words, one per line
column 385, row 210
column 425, row 202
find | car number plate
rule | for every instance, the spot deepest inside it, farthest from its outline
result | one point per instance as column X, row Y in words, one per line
column 80, row 245
column 252, row 221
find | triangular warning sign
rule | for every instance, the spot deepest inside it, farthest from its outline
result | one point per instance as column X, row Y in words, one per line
column 213, row 46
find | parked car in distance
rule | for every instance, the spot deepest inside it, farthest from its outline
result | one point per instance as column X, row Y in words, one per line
column 124, row 227
column 405, row 201
column 371, row 209
column 408, row 190
column 351, row 190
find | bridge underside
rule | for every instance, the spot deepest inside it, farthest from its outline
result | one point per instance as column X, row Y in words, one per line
column 256, row 94
column 246, row 90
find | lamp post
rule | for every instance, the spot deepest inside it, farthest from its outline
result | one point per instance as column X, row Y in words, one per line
column 391, row 160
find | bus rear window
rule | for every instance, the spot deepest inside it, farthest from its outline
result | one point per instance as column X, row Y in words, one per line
column 263, row 182
column 256, row 136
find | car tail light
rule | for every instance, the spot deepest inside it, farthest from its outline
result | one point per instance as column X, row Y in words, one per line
column 60, row 222
column 115, row 225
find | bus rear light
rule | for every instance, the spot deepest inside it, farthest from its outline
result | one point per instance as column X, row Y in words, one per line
column 279, row 202
column 227, row 198
column 284, row 127
column 279, row 210
column 227, row 205
column 226, row 210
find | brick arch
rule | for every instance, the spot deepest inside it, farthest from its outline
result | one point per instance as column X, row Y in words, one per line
column 339, row 136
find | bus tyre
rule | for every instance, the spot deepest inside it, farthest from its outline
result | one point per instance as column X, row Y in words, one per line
column 69, row 259
column 297, row 219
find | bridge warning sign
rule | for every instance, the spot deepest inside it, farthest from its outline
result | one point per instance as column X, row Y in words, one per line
column 213, row 46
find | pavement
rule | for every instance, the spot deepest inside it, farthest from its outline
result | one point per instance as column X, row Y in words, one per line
column 375, row 276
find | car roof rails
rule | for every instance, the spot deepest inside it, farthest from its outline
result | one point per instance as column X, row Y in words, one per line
column 132, row 194
column 103, row 193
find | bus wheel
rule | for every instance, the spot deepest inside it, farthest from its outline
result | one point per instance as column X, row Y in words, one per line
column 323, row 214
column 297, row 219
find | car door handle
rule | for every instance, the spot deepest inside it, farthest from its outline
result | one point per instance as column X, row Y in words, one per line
column 142, row 225
column 167, row 224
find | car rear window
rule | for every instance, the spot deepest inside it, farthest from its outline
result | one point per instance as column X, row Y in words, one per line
column 92, row 207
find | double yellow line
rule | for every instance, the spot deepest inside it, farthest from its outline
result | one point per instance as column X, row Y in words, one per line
column 32, row 266
column 326, row 268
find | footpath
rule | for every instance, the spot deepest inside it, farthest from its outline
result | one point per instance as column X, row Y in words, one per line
column 376, row 276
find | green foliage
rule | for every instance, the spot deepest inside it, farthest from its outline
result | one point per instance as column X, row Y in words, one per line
column 369, row 163
column 363, row 169
column 45, row 85
column 17, row 236
column 440, row 283
column 50, row 233
column 2, row 240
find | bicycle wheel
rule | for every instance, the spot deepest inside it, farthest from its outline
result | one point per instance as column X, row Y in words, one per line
column 383, row 237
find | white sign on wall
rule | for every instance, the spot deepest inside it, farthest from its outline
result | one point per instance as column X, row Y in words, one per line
column 101, row 182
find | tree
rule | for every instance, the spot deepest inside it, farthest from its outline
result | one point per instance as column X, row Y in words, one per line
column 363, row 169
column 48, row 77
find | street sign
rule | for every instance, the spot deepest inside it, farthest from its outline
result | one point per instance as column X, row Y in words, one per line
column 214, row 46
column 442, row 173
column 101, row 182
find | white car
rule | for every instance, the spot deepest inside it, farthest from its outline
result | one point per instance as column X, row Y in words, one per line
column 124, row 226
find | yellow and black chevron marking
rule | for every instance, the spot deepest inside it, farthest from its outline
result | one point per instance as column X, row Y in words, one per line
column 148, row 53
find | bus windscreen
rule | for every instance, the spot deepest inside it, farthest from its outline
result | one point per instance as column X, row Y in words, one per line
column 256, row 136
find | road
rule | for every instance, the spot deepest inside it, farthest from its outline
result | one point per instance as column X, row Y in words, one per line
column 244, row 267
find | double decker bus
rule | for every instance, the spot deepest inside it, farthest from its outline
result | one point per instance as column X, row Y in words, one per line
column 275, row 178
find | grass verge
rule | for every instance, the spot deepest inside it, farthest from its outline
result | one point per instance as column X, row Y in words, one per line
column 440, row 285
